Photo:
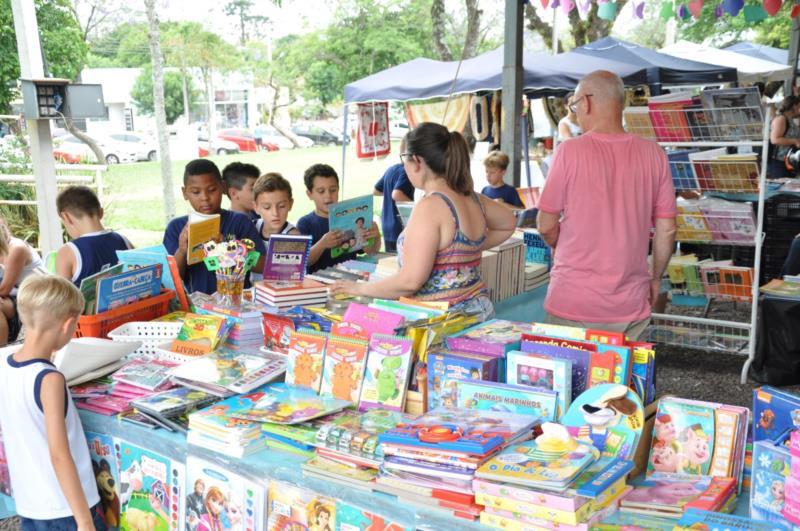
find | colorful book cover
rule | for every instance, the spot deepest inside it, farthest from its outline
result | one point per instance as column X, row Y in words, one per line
column 539, row 371
column 580, row 360
column 669, row 120
column 774, row 412
column 174, row 402
column 665, row 495
column 343, row 369
column 199, row 334
column 641, row 379
column 281, row 404
column 771, row 470
column 151, row 487
column 287, row 256
column 295, row 508
column 352, row 518
column 683, row 177
column 523, row 400
column 446, row 368
column 277, row 331
column 729, row 221
column 237, row 371
column 128, row 287
column 180, row 289
column 306, row 355
column 366, row 321
column 610, row 416
column 357, row 433
column 353, row 217
column 692, row 224
column 683, row 438
column 142, row 256
column 495, row 337
column 466, row 431
column 386, row 377
column 222, row 500
column 715, row 521
column 151, row 374
column 89, row 287
column 201, row 228
column 106, row 473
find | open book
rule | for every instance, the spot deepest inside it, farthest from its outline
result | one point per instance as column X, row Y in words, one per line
column 202, row 228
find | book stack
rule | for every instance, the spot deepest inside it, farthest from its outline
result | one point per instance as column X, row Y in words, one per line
column 432, row 460
column 169, row 408
column 715, row 220
column 553, row 482
column 536, row 275
column 671, row 498
column 502, row 269
column 245, row 324
column 711, row 279
column 213, row 428
column 113, row 288
column 286, row 294
column 136, row 379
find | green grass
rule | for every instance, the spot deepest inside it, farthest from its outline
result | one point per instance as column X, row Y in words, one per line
column 134, row 192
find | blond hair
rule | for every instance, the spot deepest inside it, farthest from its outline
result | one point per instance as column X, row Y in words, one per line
column 5, row 237
column 496, row 159
column 48, row 300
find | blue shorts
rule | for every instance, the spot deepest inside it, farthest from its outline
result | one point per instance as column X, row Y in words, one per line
column 67, row 523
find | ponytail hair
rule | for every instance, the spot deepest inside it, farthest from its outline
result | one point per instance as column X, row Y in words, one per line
column 789, row 102
column 445, row 152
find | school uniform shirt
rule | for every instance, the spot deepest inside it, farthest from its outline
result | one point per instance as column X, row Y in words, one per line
column 395, row 178
column 37, row 493
column 95, row 252
column 316, row 226
column 506, row 192
column 232, row 225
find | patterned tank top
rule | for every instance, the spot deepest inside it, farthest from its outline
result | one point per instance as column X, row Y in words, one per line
column 456, row 273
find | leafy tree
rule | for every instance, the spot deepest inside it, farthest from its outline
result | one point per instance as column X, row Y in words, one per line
column 581, row 31
column 180, row 50
column 242, row 9
column 62, row 45
column 142, row 94
column 124, row 46
column 468, row 47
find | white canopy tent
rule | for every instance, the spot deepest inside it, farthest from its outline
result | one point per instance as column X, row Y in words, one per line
column 751, row 69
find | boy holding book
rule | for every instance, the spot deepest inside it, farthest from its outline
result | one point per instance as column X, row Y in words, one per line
column 202, row 187
column 322, row 187
column 48, row 458
column 93, row 248
column 239, row 180
column 496, row 164
column 272, row 195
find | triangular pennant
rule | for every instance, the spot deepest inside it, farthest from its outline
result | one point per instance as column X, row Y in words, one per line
column 683, row 12
column 754, row 13
column 607, row 11
column 795, row 11
column 554, row 4
column 638, row 10
column 567, row 5
column 667, row 10
column 772, row 6
column 545, row 3
column 584, row 6
column 695, row 8
column 732, row 7
column 718, row 11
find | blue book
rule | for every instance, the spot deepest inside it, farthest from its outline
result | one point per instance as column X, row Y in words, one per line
column 354, row 218
column 710, row 521
column 128, row 287
column 683, row 177
column 156, row 254
column 543, row 372
column 580, row 362
column 447, row 368
column 520, row 399
column 774, row 412
column 601, row 475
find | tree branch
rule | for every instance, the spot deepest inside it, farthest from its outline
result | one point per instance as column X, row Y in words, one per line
column 472, row 37
column 438, row 24
column 545, row 30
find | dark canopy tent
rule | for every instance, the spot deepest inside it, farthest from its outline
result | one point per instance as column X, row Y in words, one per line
column 760, row 51
column 662, row 69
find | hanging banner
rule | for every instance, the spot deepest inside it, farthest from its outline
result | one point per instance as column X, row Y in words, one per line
column 372, row 133
column 433, row 111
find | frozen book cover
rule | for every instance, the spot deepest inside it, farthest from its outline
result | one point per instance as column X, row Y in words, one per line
column 343, row 371
column 386, row 377
column 353, row 217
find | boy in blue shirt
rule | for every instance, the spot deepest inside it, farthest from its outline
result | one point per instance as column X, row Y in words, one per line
column 322, row 187
column 239, row 180
column 202, row 187
column 395, row 187
column 496, row 164
column 93, row 248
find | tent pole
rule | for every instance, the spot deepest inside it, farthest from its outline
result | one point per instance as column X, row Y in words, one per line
column 512, row 89
column 345, row 137
column 794, row 49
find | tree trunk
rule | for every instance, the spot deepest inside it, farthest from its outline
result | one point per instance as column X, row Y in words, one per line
column 438, row 22
column 473, row 36
column 160, row 112
column 86, row 139
column 211, row 123
column 184, row 76
column 544, row 29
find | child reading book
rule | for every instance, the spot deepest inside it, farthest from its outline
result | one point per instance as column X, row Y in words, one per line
column 48, row 458
column 239, row 181
column 395, row 187
column 322, row 187
column 202, row 187
column 496, row 164
column 273, row 201
column 93, row 248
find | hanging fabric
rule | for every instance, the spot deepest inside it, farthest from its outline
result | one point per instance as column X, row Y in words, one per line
column 372, row 133
column 479, row 117
column 432, row 111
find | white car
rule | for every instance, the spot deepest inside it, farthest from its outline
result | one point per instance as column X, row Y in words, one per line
column 398, row 129
column 221, row 147
column 143, row 145
column 115, row 152
column 270, row 135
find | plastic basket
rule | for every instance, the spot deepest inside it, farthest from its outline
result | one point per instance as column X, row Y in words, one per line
column 149, row 333
column 101, row 324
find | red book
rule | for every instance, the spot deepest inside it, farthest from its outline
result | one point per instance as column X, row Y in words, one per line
column 180, row 292
column 558, row 342
column 715, row 496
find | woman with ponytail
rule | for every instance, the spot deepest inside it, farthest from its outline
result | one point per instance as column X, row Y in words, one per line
column 441, row 247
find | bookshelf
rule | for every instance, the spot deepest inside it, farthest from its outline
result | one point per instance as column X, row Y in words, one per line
column 697, row 132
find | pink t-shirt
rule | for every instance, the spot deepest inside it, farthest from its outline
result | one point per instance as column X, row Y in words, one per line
column 609, row 188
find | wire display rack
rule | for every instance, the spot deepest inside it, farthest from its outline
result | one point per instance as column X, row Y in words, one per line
column 699, row 130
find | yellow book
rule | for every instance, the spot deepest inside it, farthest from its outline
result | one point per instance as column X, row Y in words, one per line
column 536, row 511
column 202, row 228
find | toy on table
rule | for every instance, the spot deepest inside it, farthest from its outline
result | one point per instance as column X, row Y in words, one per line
column 230, row 260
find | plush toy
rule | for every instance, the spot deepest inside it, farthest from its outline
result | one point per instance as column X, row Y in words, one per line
column 108, row 496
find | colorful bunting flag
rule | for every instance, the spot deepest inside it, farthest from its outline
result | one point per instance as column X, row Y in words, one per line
column 772, row 6
column 667, row 10
column 795, row 11
column 754, row 13
column 607, row 11
column 695, row 8
column 732, row 7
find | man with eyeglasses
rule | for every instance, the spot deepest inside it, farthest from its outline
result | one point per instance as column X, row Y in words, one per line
column 605, row 191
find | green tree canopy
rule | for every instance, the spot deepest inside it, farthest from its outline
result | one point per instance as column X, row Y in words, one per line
column 142, row 93
column 62, row 45
column 124, row 46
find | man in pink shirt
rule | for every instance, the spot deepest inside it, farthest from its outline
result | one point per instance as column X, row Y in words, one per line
column 604, row 192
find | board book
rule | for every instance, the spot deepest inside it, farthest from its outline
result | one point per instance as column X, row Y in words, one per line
column 386, row 375
column 446, row 368
column 226, row 371
column 539, row 403
column 306, row 355
column 495, row 337
column 343, row 368
column 287, row 257
column 545, row 373
column 774, row 412
column 281, row 404
column 202, row 228
column 353, row 217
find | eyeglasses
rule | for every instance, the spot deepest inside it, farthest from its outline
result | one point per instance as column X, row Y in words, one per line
column 404, row 157
column 573, row 107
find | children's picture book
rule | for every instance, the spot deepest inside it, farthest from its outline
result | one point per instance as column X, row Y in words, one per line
column 200, row 334
column 343, row 369
column 202, row 228
column 772, row 466
column 580, row 361
column 227, row 371
column 692, row 224
column 468, row 431
column 609, row 416
column 352, row 518
column 774, row 412
column 222, row 500
column 353, row 217
column 277, row 331
column 173, row 402
column 715, row 521
column 495, row 337
column 386, row 377
column 150, row 374
column 287, row 256
column 523, row 400
column 683, row 177
column 666, row 497
column 294, row 508
column 150, row 485
column 545, row 373
column 446, row 368
column 281, row 404
column 106, row 473
column 130, row 286
column 89, row 287
column 143, row 256
column 362, row 321
column 306, row 355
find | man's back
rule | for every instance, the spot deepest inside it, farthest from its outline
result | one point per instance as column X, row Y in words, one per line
column 609, row 188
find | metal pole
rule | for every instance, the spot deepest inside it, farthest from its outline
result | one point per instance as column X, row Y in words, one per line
column 512, row 89
column 31, row 67
column 794, row 49
column 345, row 138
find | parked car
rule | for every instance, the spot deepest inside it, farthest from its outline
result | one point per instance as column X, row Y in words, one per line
column 143, row 145
column 270, row 135
column 72, row 150
column 319, row 135
column 398, row 129
column 221, row 146
column 241, row 137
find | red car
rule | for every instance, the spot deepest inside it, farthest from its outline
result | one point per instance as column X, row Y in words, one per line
column 244, row 139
